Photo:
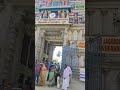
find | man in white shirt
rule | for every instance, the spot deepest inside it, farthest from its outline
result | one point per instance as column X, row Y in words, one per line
column 70, row 75
column 65, row 78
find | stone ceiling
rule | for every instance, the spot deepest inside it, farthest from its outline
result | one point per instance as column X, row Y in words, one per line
column 54, row 36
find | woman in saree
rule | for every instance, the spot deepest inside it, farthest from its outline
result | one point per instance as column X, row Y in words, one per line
column 52, row 77
column 43, row 75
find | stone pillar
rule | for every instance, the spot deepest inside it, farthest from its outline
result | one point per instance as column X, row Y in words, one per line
column 28, row 52
column 65, row 37
column 6, row 13
column 80, row 34
column 108, row 26
column 50, row 57
column 104, row 15
column 75, row 35
column 42, row 45
column 46, row 47
column 87, row 22
column 90, row 14
column 70, row 35
column 37, row 43
column 83, row 35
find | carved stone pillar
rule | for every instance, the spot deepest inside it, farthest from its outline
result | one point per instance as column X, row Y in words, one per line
column 13, row 46
column 50, row 56
column 78, row 36
column 42, row 45
column 37, row 44
column 90, row 14
column 65, row 37
column 104, row 13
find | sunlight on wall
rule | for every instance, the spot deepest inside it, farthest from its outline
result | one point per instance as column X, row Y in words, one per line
column 57, row 58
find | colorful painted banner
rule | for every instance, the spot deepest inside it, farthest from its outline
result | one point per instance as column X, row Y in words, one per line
column 80, row 6
column 36, row 9
column 81, row 44
column 52, row 3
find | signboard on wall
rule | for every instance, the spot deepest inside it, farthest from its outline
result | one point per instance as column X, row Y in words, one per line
column 80, row 6
column 111, row 45
column 81, row 44
column 53, row 21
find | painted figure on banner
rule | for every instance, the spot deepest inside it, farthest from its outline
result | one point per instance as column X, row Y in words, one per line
column 55, row 3
column 62, row 2
column 48, row 2
column 67, row 2
column 45, row 14
column 59, row 14
column 62, row 14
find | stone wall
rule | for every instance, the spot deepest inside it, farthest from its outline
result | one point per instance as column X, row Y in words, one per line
column 69, row 57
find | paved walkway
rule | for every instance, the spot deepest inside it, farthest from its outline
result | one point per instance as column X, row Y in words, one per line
column 75, row 85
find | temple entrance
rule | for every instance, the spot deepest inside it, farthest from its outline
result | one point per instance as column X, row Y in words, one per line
column 60, row 33
column 57, row 54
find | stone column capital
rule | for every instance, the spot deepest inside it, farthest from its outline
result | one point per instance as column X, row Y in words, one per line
column 104, row 12
column 90, row 12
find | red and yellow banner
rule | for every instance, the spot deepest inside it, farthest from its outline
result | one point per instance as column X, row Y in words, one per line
column 81, row 44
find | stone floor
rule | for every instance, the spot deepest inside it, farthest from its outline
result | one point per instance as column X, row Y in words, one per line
column 75, row 85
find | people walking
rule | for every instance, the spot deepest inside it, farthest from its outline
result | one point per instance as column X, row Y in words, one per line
column 57, row 74
column 58, row 82
column 37, row 72
column 43, row 75
column 57, row 77
column 65, row 78
column 49, row 66
column 51, row 76
column 70, row 74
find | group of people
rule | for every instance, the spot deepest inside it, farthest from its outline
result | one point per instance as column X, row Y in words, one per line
column 41, row 75
column 53, row 73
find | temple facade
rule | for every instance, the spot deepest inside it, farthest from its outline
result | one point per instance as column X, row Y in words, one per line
column 59, row 23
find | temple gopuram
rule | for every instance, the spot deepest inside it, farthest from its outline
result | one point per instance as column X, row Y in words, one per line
column 66, row 11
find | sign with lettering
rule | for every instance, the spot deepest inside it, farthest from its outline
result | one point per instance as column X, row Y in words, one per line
column 53, row 21
column 81, row 44
column 80, row 6
column 111, row 45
